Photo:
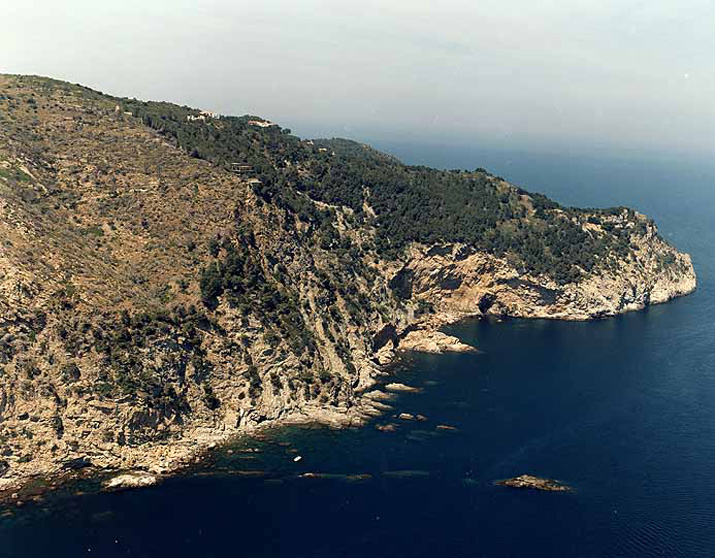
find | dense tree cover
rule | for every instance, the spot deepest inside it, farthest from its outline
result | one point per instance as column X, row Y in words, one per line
column 403, row 203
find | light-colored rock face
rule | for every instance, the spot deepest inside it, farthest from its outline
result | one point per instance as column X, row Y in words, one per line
column 133, row 479
column 459, row 283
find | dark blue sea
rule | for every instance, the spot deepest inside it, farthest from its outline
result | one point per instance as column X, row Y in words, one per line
column 623, row 410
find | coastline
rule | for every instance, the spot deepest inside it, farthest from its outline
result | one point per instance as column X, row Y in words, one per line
column 143, row 341
column 172, row 457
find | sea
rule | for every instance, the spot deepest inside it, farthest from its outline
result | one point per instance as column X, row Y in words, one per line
column 622, row 410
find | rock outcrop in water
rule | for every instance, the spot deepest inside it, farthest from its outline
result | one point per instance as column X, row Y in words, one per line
column 536, row 483
column 432, row 341
column 167, row 282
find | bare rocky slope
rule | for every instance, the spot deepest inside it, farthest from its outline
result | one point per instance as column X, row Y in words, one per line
column 152, row 302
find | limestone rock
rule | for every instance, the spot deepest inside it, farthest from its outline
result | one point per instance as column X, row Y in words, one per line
column 131, row 479
column 436, row 342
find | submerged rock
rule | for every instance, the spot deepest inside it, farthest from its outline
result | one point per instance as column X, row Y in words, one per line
column 386, row 427
column 405, row 474
column 537, row 483
column 233, row 472
column 358, row 478
column 336, row 476
column 311, row 475
column 250, row 473
column 446, row 428
column 421, row 434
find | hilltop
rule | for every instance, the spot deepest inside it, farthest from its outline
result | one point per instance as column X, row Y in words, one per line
column 170, row 277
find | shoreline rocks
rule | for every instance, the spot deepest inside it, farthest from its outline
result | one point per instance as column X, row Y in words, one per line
column 131, row 479
column 377, row 395
column 433, row 342
column 401, row 388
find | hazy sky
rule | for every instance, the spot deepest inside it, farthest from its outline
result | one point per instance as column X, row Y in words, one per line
column 518, row 73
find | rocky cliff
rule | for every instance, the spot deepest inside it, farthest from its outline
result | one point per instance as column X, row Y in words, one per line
column 461, row 282
column 155, row 298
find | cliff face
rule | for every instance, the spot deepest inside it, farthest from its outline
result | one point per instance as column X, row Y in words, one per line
column 459, row 282
column 153, row 303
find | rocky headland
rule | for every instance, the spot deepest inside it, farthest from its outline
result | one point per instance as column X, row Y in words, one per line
column 169, row 282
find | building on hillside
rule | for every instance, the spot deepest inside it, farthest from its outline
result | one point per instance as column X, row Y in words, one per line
column 261, row 123
column 203, row 115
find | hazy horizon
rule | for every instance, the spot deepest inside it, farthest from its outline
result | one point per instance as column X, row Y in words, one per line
column 561, row 76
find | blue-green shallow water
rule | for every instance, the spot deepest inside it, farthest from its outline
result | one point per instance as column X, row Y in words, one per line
column 621, row 409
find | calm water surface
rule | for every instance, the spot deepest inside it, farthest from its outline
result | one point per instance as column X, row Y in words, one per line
column 621, row 409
